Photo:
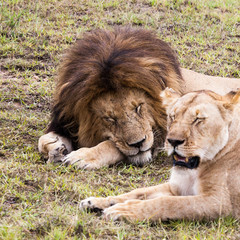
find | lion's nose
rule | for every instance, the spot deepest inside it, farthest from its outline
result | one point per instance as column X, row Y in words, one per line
column 175, row 142
column 137, row 144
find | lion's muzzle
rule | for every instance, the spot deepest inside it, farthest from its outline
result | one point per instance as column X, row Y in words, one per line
column 141, row 158
column 137, row 144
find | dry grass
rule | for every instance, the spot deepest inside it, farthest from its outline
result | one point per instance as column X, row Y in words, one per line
column 39, row 201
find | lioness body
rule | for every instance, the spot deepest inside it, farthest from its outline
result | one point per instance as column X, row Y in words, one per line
column 195, row 81
column 108, row 90
column 204, row 129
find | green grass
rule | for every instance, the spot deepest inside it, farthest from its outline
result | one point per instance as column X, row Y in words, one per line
column 39, row 201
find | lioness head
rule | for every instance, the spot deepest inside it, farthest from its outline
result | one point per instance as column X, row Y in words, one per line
column 198, row 124
column 126, row 120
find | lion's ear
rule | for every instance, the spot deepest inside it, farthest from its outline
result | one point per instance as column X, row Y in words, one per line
column 169, row 98
column 231, row 99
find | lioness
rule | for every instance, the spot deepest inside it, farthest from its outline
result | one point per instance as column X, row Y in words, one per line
column 107, row 106
column 204, row 141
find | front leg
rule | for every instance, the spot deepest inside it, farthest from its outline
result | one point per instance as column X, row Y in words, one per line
column 169, row 208
column 140, row 193
column 104, row 154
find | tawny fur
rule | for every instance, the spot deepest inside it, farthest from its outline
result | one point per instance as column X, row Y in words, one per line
column 208, row 126
column 105, row 67
column 112, row 76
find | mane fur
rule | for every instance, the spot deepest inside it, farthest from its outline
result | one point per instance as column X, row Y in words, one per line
column 108, row 60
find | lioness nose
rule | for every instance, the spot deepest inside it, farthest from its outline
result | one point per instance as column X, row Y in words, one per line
column 137, row 144
column 175, row 142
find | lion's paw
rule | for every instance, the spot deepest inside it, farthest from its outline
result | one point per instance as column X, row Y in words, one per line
column 82, row 158
column 56, row 155
column 54, row 147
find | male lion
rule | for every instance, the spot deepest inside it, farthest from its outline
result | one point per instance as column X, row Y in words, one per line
column 204, row 141
column 107, row 105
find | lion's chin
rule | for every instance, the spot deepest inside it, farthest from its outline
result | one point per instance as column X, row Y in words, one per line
column 141, row 158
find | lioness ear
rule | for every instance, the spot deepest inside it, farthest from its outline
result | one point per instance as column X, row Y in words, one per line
column 231, row 99
column 169, row 98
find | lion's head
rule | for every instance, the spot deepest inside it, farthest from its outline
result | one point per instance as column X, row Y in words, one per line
column 108, row 88
column 125, row 118
column 198, row 125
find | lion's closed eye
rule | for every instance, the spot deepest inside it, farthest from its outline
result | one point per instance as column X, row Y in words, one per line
column 110, row 120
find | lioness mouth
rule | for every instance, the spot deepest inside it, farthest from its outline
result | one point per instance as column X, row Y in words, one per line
column 187, row 162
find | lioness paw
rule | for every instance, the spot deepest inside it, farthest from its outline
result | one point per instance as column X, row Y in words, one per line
column 127, row 210
column 87, row 203
column 95, row 203
column 91, row 203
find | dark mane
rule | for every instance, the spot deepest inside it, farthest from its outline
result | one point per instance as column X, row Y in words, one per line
column 103, row 61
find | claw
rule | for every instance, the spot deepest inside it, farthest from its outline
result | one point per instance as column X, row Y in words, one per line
column 66, row 161
column 57, row 155
column 114, row 216
column 85, row 166
column 65, row 152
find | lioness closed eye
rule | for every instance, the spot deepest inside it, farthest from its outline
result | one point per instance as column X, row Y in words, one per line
column 204, row 141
